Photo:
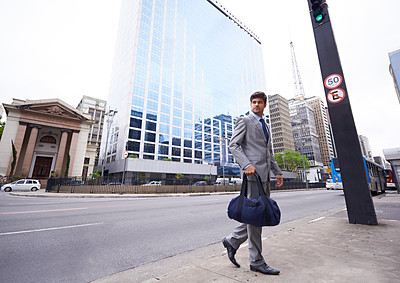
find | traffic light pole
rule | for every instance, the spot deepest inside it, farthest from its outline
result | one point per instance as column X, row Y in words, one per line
column 360, row 207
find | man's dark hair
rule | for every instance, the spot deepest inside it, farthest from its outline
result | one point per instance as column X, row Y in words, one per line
column 259, row 94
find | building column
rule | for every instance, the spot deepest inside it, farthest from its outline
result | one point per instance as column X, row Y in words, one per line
column 26, row 165
column 72, row 150
column 19, row 139
column 61, row 152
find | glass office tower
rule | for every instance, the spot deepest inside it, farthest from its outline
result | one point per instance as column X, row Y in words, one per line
column 394, row 69
column 183, row 71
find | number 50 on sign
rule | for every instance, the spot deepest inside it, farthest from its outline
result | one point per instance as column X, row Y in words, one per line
column 333, row 81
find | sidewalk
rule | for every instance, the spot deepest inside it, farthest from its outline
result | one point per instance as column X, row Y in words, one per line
column 322, row 248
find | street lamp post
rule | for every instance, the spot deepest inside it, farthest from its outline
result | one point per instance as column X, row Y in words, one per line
column 304, row 164
column 110, row 117
column 283, row 157
column 222, row 139
column 123, row 172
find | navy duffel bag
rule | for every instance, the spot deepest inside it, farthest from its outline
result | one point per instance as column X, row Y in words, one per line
column 262, row 211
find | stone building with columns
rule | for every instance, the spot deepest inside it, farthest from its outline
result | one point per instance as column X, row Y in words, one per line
column 44, row 133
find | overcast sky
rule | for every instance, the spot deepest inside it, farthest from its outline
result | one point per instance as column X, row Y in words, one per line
column 64, row 49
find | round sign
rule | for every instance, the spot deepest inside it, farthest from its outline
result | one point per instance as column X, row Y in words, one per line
column 335, row 95
column 125, row 154
column 333, row 81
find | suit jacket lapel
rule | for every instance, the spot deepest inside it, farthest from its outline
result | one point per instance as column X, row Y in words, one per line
column 258, row 126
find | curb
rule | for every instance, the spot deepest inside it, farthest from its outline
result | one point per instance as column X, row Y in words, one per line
column 78, row 195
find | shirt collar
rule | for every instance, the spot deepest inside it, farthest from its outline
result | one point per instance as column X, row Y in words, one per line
column 256, row 116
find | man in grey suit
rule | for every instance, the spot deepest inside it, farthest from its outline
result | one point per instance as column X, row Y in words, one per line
column 251, row 147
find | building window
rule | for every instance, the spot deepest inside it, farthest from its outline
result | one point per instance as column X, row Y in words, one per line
column 136, row 123
column 134, row 134
column 163, row 150
column 187, row 153
column 164, row 139
column 188, row 143
column 48, row 139
column 150, row 137
column 149, row 148
column 133, row 146
column 176, row 141
column 176, row 151
column 151, row 116
column 150, row 126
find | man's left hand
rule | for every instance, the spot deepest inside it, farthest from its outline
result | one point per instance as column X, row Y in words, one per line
column 279, row 180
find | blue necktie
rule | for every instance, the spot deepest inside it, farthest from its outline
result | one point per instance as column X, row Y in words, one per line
column 264, row 127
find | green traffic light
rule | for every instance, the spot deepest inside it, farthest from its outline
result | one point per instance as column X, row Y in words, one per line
column 318, row 16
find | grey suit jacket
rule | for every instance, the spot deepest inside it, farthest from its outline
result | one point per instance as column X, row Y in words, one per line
column 248, row 145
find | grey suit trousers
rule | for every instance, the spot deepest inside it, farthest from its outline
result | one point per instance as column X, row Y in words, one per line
column 246, row 231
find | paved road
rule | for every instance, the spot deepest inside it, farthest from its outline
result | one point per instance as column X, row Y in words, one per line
column 79, row 240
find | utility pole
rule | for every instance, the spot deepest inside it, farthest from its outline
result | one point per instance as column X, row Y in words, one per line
column 360, row 207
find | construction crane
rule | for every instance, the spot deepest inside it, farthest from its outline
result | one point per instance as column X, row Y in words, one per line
column 298, row 85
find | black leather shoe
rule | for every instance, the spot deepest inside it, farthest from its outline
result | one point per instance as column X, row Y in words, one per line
column 264, row 269
column 231, row 252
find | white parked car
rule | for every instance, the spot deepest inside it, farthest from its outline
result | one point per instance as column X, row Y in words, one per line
column 153, row 183
column 25, row 184
column 330, row 185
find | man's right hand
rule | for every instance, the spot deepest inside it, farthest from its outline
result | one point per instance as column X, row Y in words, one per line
column 251, row 170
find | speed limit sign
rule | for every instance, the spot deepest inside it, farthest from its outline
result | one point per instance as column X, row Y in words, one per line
column 125, row 154
column 333, row 81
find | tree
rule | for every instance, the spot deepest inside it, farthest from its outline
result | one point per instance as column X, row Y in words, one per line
column 14, row 160
column 96, row 174
column 293, row 161
column 2, row 125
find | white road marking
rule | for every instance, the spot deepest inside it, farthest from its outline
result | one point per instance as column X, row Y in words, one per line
column 50, row 229
column 317, row 219
column 47, row 210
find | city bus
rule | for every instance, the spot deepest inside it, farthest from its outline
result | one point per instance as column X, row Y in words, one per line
column 389, row 178
column 375, row 175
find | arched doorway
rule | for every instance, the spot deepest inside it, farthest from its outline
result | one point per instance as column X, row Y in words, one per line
column 42, row 167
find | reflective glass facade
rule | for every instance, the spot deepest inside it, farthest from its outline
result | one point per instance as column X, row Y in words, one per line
column 183, row 71
column 395, row 70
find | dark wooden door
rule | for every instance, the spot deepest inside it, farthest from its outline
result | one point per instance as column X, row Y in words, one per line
column 42, row 167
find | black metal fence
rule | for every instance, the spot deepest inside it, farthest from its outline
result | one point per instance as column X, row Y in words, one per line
column 297, row 185
column 110, row 185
